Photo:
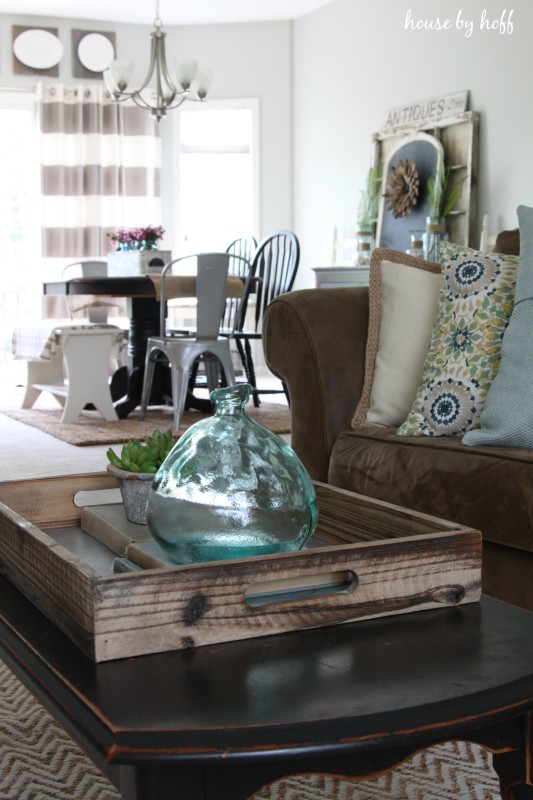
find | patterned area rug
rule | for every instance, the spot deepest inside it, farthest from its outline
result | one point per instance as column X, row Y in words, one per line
column 39, row 761
column 91, row 429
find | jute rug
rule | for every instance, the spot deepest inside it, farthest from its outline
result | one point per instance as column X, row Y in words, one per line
column 91, row 428
column 39, row 761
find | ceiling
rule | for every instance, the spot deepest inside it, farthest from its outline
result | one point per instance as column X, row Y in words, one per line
column 171, row 12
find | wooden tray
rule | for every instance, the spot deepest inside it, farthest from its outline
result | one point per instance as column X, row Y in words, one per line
column 372, row 559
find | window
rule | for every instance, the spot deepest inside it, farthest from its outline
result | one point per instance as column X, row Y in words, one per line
column 218, row 174
column 20, row 230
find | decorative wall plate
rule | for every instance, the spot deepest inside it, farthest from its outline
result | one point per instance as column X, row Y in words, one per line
column 38, row 48
column 91, row 52
column 95, row 51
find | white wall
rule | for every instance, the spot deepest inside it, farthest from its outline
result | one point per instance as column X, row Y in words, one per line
column 252, row 60
column 354, row 60
column 248, row 60
column 343, row 66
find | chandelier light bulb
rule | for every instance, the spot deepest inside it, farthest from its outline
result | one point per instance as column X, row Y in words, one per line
column 118, row 75
column 202, row 83
column 185, row 72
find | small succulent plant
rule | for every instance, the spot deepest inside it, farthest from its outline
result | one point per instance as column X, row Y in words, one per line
column 147, row 456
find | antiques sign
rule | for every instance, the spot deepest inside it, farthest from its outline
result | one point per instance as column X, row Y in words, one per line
column 427, row 111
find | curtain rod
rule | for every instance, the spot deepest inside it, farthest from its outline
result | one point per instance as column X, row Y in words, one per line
column 34, row 88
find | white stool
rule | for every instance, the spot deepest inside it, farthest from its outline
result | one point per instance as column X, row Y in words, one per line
column 87, row 354
column 43, row 372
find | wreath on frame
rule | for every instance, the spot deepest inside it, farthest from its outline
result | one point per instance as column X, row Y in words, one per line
column 402, row 188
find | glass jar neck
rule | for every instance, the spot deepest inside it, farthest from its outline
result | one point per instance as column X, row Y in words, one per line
column 231, row 399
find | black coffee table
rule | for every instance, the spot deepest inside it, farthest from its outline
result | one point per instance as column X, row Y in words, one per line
column 220, row 722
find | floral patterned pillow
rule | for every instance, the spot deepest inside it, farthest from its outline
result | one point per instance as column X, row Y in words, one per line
column 475, row 303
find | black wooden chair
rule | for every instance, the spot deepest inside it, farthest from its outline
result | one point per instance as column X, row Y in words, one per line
column 273, row 271
column 243, row 251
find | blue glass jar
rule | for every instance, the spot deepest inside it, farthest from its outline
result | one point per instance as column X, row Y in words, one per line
column 230, row 488
column 148, row 244
column 365, row 247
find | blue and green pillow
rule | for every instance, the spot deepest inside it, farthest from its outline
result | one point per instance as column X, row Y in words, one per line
column 475, row 304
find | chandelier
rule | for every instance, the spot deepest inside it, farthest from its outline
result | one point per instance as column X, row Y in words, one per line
column 161, row 89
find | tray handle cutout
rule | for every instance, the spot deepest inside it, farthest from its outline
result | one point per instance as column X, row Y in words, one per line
column 285, row 590
column 96, row 497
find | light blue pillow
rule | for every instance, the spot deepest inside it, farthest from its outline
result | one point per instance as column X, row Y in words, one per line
column 507, row 419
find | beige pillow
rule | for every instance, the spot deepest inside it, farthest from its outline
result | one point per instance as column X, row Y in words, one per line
column 404, row 294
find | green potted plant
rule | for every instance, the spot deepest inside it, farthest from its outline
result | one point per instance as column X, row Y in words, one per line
column 135, row 469
column 369, row 203
column 443, row 197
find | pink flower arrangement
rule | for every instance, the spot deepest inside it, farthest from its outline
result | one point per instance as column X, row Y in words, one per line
column 131, row 236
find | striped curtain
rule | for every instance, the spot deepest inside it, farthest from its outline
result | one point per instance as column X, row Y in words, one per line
column 100, row 169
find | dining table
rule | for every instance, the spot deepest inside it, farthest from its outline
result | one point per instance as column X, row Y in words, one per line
column 142, row 294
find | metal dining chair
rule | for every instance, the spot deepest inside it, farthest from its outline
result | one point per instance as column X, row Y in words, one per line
column 273, row 272
column 183, row 348
column 242, row 252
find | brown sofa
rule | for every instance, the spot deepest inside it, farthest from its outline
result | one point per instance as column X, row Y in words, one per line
column 314, row 340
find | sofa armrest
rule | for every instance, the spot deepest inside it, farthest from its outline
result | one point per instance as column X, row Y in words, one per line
column 314, row 340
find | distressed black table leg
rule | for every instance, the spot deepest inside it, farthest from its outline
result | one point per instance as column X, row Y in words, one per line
column 187, row 783
column 132, row 397
column 144, row 322
column 250, row 372
column 515, row 783
column 151, row 783
column 514, row 764
column 119, row 383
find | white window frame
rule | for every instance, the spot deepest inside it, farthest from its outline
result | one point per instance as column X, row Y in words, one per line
column 250, row 103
